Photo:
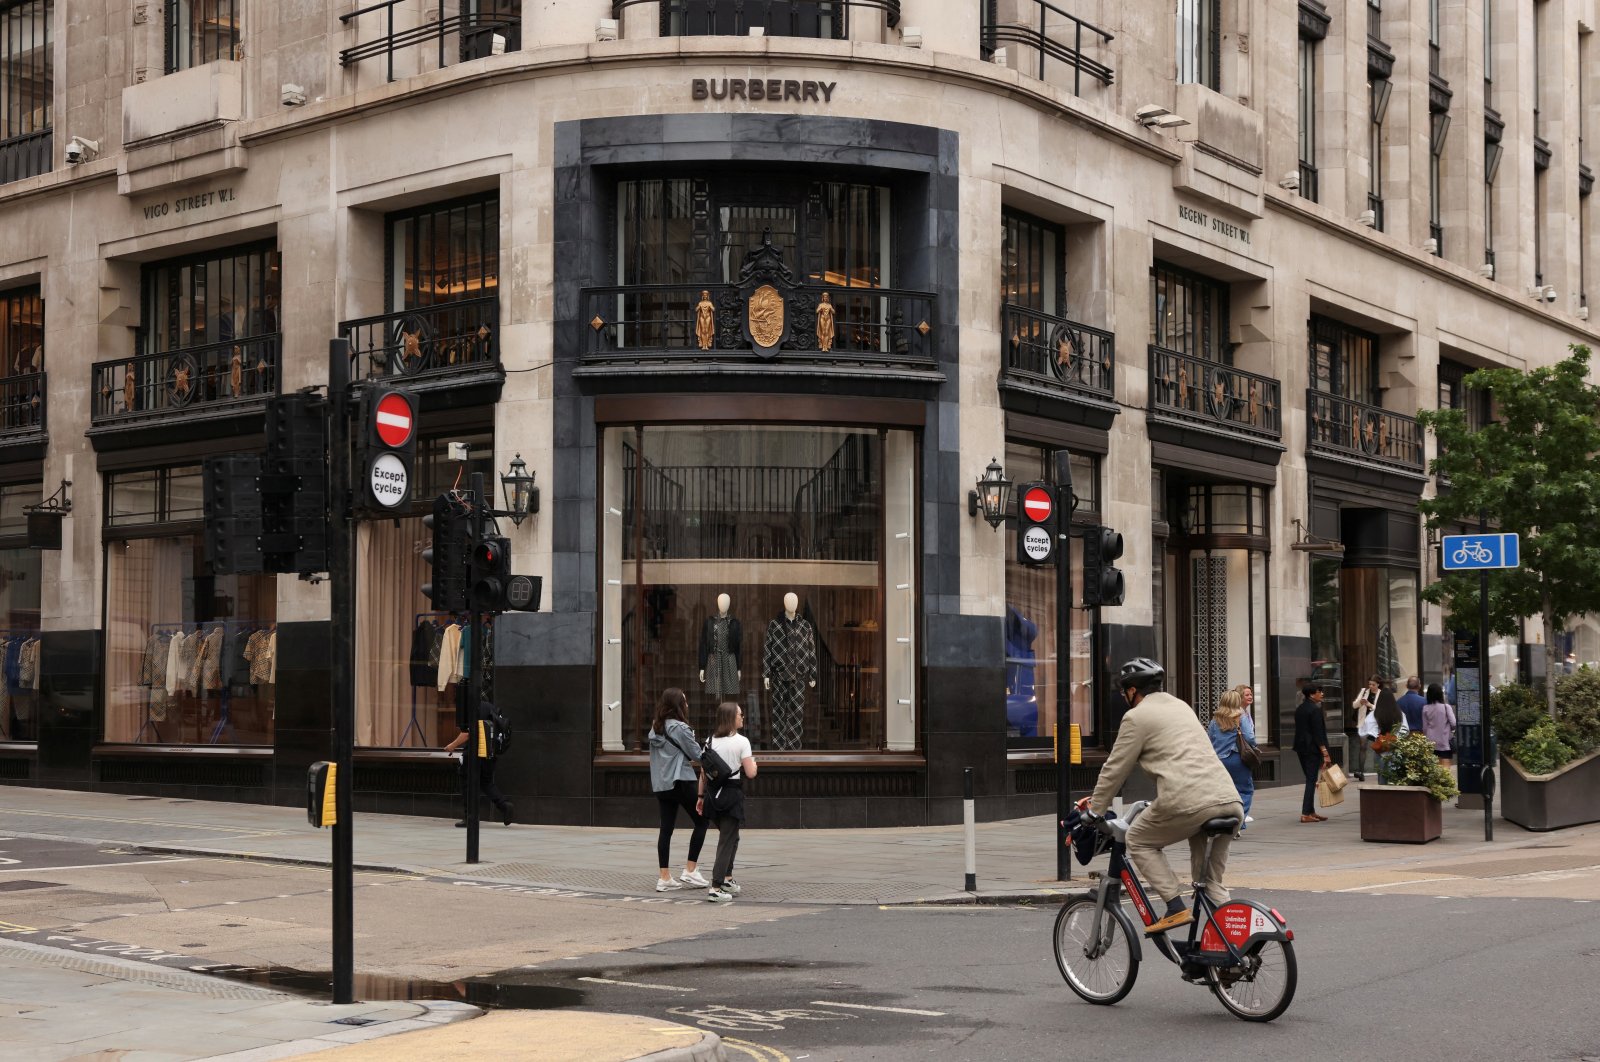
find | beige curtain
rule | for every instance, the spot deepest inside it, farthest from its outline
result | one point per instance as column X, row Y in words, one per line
column 145, row 589
column 388, row 598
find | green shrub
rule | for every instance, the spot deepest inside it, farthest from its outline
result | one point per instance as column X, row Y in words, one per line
column 1412, row 761
column 1541, row 750
column 1578, row 709
column 1514, row 709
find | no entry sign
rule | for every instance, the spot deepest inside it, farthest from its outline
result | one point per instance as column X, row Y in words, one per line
column 1038, row 505
column 393, row 420
column 388, row 448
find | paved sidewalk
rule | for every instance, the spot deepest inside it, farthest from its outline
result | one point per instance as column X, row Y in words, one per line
column 1015, row 859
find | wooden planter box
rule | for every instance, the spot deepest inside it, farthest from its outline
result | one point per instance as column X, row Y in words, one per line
column 1407, row 814
column 1569, row 797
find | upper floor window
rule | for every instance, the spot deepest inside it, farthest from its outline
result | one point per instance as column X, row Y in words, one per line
column 1454, row 394
column 1199, row 42
column 736, row 18
column 27, row 87
column 21, row 332
column 1308, row 117
column 201, row 31
column 221, row 297
column 1031, row 273
column 444, row 252
column 1378, row 91
column 1344, row 360
column 1189, row 313
column 1439, row 127
column 692, row 230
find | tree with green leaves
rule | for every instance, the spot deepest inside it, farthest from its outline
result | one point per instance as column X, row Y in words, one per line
column 1534, row 470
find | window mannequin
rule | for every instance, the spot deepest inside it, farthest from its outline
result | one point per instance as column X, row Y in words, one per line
column 720, row 641
column 789, row 666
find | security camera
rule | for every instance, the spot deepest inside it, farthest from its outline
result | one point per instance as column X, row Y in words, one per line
column 1549, row 293
column 79, row 149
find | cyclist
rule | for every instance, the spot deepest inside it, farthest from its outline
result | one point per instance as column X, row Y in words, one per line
column 1163, row 735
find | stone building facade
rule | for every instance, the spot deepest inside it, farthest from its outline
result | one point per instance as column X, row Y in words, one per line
column 758, row 290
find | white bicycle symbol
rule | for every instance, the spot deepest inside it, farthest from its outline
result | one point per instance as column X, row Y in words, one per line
column 1474, row 551
column 740, row 1019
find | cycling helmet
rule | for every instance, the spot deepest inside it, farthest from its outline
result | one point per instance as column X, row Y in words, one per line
column 1142, row 674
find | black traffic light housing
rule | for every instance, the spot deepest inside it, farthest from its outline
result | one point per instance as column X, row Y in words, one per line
column 447, row 556
column 1041, row 547
column 490, row 573
column 232, row 507
column 1102, row 579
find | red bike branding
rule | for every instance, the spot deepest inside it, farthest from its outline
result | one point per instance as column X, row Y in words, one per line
column 1239, row 922
column 1136, row 893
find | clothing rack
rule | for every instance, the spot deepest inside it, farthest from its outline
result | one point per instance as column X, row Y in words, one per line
column 23, row 633
column 414, row 725
column 224, row 698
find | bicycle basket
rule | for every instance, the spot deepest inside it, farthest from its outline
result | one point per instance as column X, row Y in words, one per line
column 1087, row 841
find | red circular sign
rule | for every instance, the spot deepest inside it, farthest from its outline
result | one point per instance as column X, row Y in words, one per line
column 1037, row 505
column 393, row 420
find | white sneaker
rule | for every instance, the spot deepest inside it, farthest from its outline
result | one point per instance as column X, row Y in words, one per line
column 667, row 886
column 694, row 878
column 1249, row 818
column 718, row 896
column 732, row 887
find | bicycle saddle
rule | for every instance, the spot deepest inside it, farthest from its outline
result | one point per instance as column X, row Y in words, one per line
column 1223, row 824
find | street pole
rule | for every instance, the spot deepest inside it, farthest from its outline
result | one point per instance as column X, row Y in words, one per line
column 474, row 665
column 1063, row 558
column 341, row 584
column 1486, row 785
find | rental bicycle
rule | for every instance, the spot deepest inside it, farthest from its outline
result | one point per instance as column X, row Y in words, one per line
column 1243, row 950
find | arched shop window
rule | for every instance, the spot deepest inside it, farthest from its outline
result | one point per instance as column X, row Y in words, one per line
column 1216, row 593
column 1031, row 616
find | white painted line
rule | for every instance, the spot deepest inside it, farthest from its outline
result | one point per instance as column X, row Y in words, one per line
column 91, row 866
column 1396, row 884
column 636, row 984
column 886, row 1010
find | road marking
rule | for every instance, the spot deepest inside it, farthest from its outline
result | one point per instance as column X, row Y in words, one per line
column 886, row 1010
column 1397, row 884
column 760, row 1051
column 636, row 984
column 13, row 927
column 91, row 866
column 265, row 832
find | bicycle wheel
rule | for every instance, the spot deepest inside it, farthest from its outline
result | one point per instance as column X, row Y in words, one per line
column 1109, row 977
column 1261, row 990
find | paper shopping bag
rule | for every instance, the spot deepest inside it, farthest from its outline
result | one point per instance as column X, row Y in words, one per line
column 1327, row 795
column 1336, row 776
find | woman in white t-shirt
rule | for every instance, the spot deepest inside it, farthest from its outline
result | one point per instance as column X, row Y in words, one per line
column 724, row 804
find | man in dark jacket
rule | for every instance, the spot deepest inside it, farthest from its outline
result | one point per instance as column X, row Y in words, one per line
column 487, row 714
column 1311, row 745
column 1411, row 704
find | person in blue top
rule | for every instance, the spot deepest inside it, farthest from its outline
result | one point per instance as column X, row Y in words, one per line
column 1411, row 704
column 1227, row 722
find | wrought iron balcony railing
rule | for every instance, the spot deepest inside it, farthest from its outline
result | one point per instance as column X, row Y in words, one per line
column 22, row 404
column 1043, row 348
column 25, row 156
column 236, row 373
column 878, row 326
column 408, row 28
column 450, row 338
column 1203, row 392
column 1051, row 34
column 817, row 19
column 1346, row 428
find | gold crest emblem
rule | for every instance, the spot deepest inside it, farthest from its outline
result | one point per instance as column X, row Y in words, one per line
column 766, row 316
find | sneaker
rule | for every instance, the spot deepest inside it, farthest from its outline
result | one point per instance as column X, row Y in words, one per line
column 1249, row 818
column 719, row 896
column 695, row 879
column 667, row 886
column 731, row 887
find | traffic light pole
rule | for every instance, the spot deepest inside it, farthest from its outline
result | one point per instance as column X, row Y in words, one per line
column 474, row 667
column 341, row 581
column 1063, row 558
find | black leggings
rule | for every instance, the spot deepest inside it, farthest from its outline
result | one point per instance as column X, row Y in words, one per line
column 681, row 795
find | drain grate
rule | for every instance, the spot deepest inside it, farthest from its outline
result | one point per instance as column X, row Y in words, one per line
column 23, row 886
column 355, row 1020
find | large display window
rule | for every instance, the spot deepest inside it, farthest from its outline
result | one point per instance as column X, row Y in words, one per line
column 191, row 656
column 1031, row 619
column 773, row 566
column 19, row 617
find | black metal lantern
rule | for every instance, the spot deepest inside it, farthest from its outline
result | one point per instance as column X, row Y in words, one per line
column 992, row 496
column 522, row 497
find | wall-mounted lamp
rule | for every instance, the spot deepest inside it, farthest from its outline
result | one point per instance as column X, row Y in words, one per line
column 44, row 519
column 522, row 497
column 1307, row 542
column 992, row 496
column 1155, row 116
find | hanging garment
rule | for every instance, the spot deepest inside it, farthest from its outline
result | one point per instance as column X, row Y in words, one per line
column 30, row 664
column 179, row 659
column 720, row 640
column 5, row 691
column 423, row 673
column 13, row 663
column 208, row 663
column 789, row 662
column 254, row 656
column 272, row 657
column 450, row 656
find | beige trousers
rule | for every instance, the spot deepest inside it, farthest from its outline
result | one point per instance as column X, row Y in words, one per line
column 1155, row 829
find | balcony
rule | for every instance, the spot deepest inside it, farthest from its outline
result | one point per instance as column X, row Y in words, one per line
column 393, row 27
column 449, row 345
column 26, row 156
column 660, row 327
column 1354, row 431
column 1217, row 397
column 817, row 19
column 1039, row 35
column 22, row 406
column 209, row 382
column 1052, row 360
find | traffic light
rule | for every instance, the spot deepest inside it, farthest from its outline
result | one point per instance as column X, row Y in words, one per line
column 1037, row 518
column 294, row 485
column 232, row 507
column 388, row 448
column 447, row 556
column 490, row 573
column 1102, row 580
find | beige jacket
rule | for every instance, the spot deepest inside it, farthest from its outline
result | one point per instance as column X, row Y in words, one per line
column 1164, row 736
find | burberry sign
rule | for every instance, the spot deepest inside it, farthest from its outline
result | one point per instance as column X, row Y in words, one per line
column 755, row 89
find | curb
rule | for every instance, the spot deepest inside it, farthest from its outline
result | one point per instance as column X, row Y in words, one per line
column 1028, row 897
column 435, row 1013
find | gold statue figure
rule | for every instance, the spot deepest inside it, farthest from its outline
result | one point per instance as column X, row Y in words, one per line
column 825, row 323
column 705, row 321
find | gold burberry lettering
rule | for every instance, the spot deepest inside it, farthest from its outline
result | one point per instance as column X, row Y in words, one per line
column 772, row 89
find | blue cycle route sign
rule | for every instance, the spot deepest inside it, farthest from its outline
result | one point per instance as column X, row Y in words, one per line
column 1471, row 552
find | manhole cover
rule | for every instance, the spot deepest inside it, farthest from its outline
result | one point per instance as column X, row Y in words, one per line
column 21, row 886
column 354, row 1020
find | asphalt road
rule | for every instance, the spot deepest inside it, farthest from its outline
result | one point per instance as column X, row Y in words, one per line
column 1381, row 975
